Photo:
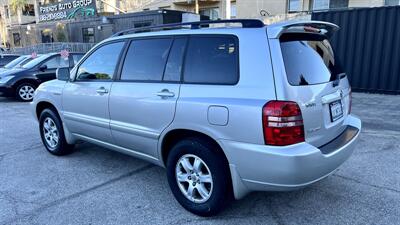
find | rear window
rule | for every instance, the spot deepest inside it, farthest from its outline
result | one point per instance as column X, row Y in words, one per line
column 212, row 60
column 309, row 61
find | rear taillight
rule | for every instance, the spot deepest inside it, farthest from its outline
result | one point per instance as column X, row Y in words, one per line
column 282, row 123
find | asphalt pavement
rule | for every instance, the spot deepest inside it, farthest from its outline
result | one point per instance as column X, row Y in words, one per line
column 97, row 186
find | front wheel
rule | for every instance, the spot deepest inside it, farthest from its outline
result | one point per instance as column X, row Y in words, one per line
column 25, row 92
column 199, row 177
column 52, row 133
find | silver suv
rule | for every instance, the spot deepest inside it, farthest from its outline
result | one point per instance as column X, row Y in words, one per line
column 225, row 110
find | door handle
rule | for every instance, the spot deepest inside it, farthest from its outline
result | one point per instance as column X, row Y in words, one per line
column 165, row 93
column 102, row 91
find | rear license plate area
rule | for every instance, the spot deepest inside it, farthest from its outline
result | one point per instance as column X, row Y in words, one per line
column 336, row 110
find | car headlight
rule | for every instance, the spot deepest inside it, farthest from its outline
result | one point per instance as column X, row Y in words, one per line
column 5, row 79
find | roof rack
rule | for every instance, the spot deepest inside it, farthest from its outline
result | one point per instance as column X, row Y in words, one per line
column 246, row 23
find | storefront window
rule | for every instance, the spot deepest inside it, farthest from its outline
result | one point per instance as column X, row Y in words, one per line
column 6, row 11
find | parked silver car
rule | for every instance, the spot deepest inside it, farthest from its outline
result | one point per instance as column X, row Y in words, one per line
column 226, row 110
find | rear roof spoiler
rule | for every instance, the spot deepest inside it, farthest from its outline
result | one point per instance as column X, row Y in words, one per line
column 325, row 28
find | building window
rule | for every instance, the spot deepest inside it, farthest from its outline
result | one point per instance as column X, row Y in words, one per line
column 88, row 35
column 233, row 10
column 392, row 2
column 294, row 5
column 320, row 4
column 212, row 13
column 6, row 11
column 336, row 4
column 28, row 10
column 16, row 39
column 329, row 4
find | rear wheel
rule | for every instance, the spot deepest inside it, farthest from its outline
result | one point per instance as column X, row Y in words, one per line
column 52, row 133
column 25, row 92
column 199, row 176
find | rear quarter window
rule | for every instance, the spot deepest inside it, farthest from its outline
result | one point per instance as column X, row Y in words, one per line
column 212, row 60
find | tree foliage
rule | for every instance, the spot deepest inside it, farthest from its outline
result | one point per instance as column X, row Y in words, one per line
column 60, row 32
column 16, row 5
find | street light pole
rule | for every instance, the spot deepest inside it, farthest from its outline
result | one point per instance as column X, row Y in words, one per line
column 197, row 6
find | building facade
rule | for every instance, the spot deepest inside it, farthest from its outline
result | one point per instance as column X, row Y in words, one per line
column 33, row 22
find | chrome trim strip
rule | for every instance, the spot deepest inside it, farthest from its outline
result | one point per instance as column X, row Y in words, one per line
column 284, row 119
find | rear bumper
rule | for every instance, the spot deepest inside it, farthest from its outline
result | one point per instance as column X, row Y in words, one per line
column 6, row 91
column 268, row 168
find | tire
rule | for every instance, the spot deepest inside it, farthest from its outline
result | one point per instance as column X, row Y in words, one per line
column 25, row 92
column 52, row 133
column 214, row 161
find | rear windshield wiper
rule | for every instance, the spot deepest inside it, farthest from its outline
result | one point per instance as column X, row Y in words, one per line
column 337, row 79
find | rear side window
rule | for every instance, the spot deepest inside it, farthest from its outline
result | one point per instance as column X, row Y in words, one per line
column 146, row 59
column 212, row 60
column 309, row 61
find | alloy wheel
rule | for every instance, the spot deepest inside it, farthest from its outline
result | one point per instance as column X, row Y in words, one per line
column 26, row 92
column 50, row 131
column 194, row 178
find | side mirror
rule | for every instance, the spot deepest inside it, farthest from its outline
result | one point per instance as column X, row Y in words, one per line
column 62, row 74
column 43, row 68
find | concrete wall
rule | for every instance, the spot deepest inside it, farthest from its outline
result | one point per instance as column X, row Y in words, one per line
column 252, row 8
column 366, row 3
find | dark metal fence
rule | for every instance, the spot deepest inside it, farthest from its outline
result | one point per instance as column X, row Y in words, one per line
column 368, row 43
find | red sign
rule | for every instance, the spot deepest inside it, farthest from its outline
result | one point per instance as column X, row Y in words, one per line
column 64, row 53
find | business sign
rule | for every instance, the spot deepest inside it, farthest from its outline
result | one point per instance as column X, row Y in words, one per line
column 68, row 9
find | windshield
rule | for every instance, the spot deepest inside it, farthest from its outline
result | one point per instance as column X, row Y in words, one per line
column 25, row 62
column 35, row 61
column 15, row 62
column 309, row 61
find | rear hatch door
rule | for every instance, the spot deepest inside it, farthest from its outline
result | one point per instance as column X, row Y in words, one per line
column 307, row 72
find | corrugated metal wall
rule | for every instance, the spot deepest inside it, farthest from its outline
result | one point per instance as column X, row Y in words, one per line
column 368, row 43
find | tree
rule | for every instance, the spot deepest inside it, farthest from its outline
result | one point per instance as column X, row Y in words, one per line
column 60, row 32
column 16, row 6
